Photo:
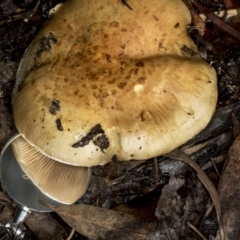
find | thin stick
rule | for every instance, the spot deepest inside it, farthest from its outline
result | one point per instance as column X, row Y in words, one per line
column 71, row 234
column 225, row 13
column 196, row 230
column 215, row 167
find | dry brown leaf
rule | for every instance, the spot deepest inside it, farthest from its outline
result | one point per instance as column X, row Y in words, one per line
column 176, row 154
column 229, row 192
column 100, row 223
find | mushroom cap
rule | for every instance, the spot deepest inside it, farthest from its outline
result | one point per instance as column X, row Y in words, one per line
column 102, row 83
column 61, row 182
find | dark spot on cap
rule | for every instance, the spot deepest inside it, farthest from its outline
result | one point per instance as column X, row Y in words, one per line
column 139, row 64
column 155, row 17
column 55, row 106
column 160, row 45
column 132, row 155
column 45, row 44
column 94, row 86
column 114, row 158
column 59, row 125
column 101, row 141
column 111, row 81
column 114, row 24
column 108, row 57
column 104, row 95
column 97, row 135
column 114, row 92
column 121, row 85
column 189, row 51
column 141, row 79
column 176, row 25
column 141, row 115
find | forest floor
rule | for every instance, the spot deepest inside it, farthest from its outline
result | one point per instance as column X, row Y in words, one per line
column 218, row 45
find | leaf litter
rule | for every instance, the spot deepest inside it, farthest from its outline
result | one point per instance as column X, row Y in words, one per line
column 113, row 186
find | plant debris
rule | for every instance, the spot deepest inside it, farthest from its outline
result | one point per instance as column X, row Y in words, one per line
column 99, row 223
column 229, row 192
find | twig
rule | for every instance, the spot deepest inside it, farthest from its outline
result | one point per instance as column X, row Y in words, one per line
column 12, row 18
column 224, row 13
column 218, row 159
column 209, row 209
column 71, row 234
column 215, row 167
column 196, row 230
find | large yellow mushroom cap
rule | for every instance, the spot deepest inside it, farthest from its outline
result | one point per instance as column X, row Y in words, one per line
column 102, row 82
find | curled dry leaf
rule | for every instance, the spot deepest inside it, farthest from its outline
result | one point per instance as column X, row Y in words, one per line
column 229, row 192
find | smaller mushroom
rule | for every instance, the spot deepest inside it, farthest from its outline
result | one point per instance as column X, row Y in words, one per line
column 61, row 182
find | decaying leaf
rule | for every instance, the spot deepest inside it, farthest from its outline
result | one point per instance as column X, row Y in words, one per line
column 183, row 200
column 170, row 210
column 100, row 223
column 176, row 154
column 229, row 192
column 195, row 206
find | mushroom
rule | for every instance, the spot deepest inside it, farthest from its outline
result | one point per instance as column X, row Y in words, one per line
column 102, row 82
